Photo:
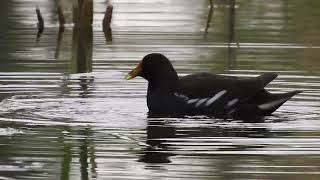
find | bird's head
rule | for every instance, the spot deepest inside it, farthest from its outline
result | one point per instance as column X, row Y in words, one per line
column 152, row 67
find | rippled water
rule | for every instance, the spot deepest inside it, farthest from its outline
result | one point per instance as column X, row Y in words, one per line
column 68, row 114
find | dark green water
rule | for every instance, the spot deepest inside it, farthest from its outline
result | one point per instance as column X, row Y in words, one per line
column 67, row 113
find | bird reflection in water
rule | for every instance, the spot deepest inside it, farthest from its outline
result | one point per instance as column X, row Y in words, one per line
column 162, row 133
column 157, row 151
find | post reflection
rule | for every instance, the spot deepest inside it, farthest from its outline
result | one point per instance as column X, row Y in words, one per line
column 108, row 34
column 67, row 157
column 87, row 151
column 85, row 82
column 58, row 44
column 87, row 157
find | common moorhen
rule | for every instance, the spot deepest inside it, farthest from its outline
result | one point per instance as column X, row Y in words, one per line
column 220, row 96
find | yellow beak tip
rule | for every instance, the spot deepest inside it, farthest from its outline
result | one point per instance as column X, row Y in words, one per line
column 128, row 77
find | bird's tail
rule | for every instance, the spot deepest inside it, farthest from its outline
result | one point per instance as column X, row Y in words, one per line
column 274, row 101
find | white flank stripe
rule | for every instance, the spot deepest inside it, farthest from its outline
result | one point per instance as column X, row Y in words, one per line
column 181, row 96
column 231, row 112
column 232, row 102
column 271, row 104
column 215, row 97
column 193, row 101
column 201, row 101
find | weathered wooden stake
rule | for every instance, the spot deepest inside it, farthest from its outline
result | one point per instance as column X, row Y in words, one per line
column 232, row 18
column 82, row 40
column 209, row 17
column 61, row 16
column 40, row 22
column 106, row 23
column 83, row 13
column 108, row 16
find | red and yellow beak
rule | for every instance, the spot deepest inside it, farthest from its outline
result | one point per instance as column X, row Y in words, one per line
column 134, row 72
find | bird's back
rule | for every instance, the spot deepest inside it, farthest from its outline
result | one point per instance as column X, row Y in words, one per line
column 202, row 85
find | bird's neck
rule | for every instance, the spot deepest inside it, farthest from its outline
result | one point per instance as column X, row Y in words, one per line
column 165, row 84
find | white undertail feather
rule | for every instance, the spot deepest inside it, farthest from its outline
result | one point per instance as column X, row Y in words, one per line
column 272, row 104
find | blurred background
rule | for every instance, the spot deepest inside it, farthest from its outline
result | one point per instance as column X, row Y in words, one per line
column 66, row 111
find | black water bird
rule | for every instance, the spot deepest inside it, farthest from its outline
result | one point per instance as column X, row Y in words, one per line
column 219, row 96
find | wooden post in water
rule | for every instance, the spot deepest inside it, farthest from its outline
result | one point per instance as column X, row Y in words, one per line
column 209, row 16
column 82, row 39
column 62, row 21
column 61, row 16
column 82, row 45
column 83, row 13
column 232, row 41
column 232, row 17
column 106, row 23
column 40, row 22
